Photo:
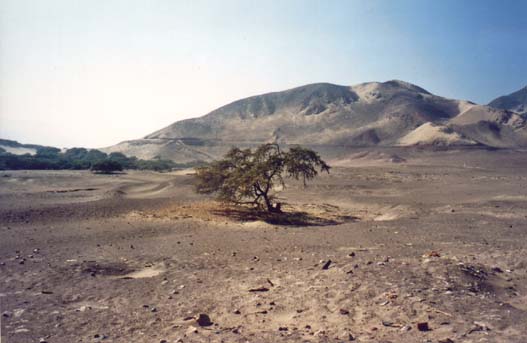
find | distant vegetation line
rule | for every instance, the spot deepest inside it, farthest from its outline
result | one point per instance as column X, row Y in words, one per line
column 80, row 159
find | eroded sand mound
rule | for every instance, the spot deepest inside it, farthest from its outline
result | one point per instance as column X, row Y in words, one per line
column 434, row 134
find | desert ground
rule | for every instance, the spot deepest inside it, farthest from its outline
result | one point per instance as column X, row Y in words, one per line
column 391, row 246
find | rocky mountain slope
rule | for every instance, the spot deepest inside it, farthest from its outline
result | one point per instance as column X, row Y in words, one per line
column 516, row 101
column 393, row 113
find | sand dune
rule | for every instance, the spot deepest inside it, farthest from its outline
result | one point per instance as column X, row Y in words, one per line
column 431, row 134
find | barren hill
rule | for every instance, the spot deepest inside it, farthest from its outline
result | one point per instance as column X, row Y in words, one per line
column 323, row 114
column 17, row 148
column 516, row 101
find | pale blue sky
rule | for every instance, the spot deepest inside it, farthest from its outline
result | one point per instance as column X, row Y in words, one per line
column 95, row 72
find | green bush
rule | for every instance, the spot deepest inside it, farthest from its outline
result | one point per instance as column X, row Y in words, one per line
column 106, row 167
column 80, row 159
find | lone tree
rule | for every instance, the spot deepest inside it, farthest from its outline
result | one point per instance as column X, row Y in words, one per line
column 246, row 174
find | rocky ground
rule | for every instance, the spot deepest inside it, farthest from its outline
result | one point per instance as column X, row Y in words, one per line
column 425, row 247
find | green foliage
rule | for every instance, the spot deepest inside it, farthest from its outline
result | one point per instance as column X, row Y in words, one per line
column 246, row 174
column 79, row 159
column 126, row 162
column 94, row 155
column 48, row 152
column 157, row 165
column 76, row 153
column 106, row 166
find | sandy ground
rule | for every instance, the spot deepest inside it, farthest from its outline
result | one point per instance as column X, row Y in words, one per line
column 429, row 249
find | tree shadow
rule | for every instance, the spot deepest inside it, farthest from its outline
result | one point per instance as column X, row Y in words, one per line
column 99, row 172
column 287, row 218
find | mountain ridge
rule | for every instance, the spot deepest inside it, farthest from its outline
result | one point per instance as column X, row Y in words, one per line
column 515, row 101
column 366, row 114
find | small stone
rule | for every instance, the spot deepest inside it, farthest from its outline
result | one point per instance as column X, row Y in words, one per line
column 344, row 312
column 204, row 320
column 326, row 265
column 191, row 329
column 283, row 328
column 320, row 333
column 479, row 327
column 237, row 312
column 423, row 326
column 153, row 309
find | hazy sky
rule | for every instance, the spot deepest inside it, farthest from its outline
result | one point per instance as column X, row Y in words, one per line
column 95, row 72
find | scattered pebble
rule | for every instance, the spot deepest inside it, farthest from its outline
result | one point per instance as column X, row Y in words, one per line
column 326, row 265
column 191, row 329
column 204, row 320
column 423, row 326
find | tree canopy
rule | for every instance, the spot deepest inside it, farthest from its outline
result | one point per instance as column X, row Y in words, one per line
column 78, row 159
column 106, row 166
column 246, row 174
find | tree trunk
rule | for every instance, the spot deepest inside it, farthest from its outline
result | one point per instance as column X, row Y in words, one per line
column 268, row 203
